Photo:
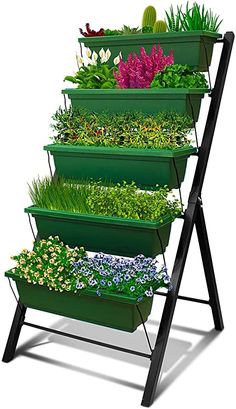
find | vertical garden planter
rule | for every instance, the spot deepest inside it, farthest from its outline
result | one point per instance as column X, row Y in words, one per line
column 147, row 167
column 111, row 310
column 150, row 101
column 189, row 47
column 111, row 235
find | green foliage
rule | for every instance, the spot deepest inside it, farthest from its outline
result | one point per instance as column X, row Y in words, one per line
column 198, row 18
column 93, row 77
column 49, row 263
column 179, row 76
column 60, row 194
column 149, row 16
column 174, row 19
column 130, row 30
column 164, row 130
column 125, row 201
column 125, row 30
column 194, row 18
column 109, row 32
column 89, row 197
column 160, row 26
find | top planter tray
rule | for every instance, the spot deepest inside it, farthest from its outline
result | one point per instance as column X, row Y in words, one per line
column 147, row 100
column 190, row 47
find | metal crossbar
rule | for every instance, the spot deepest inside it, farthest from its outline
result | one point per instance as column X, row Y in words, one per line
column 193, row 217
column 91, row 341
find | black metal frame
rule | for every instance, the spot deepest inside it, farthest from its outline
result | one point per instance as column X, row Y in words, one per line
column 193, row 216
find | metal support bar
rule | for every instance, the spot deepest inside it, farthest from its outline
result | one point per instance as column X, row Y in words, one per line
column 182, row 297
column 208, row 269
column 91, row 341
column 191, row 217
column 14, row 333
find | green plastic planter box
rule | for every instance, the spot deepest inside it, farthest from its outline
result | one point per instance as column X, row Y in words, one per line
column 114, row 311
column 190, row 47
column 147, row 167
column 111, row 235
column 148, row 100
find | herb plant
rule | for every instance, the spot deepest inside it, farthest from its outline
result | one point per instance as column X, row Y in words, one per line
column 60, row 268
column 164, row 130
column 139, row 70
column 179, row 76
column 122, row 200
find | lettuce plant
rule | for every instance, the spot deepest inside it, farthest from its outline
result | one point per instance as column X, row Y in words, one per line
column 179, row 76
column 139, row 70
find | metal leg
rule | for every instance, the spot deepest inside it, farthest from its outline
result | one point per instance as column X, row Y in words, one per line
column 169, row 308
column 208, row 268
column 14, row 333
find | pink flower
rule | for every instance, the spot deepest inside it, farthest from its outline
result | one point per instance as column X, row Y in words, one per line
column 139, row 71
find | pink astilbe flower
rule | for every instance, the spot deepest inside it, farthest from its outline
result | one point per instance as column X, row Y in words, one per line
column 139, row 71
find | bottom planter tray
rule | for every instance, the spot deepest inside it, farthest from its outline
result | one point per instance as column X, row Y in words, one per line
column 102, row 233
column 114, row 311
column 147, row 167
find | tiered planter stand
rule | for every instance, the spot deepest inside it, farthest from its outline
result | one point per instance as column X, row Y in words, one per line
column 73, row 225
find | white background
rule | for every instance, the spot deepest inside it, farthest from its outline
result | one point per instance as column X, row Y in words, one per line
column 38, row 44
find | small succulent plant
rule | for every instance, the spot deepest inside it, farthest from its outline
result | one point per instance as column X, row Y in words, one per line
column 91, row 33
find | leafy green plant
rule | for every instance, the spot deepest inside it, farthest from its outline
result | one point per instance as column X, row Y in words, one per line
column 93, row 77
column 53, row 264
column 179, row 76
column 164, row 130
column 109, row 32
column 196, row 17
column 122, row 200
column 93, row 71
